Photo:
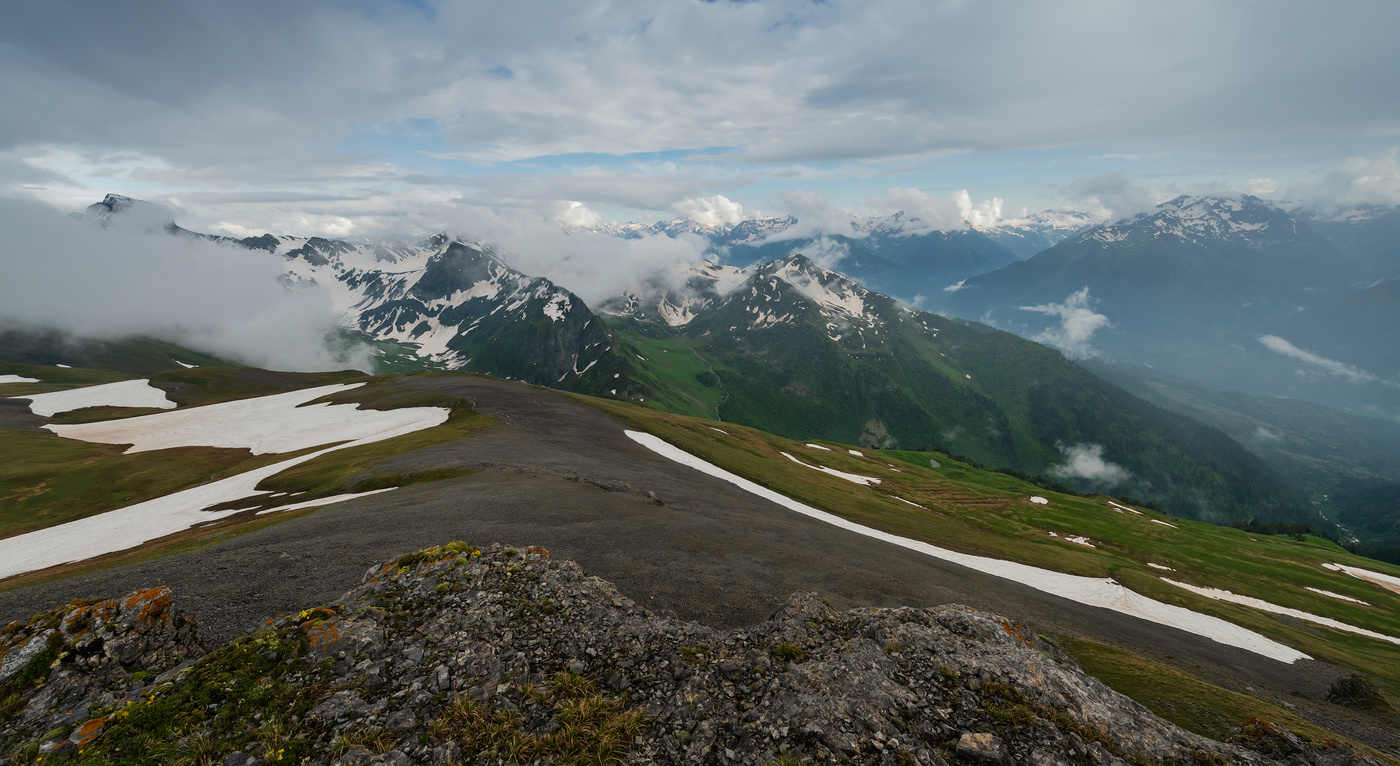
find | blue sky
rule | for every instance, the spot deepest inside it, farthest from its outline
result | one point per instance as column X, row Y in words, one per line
column 366, row 118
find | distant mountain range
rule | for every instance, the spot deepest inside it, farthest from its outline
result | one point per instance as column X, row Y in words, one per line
column 1230, row 293
column 795, row 335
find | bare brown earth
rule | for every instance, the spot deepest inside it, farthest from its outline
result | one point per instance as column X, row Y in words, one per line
column 562, row 475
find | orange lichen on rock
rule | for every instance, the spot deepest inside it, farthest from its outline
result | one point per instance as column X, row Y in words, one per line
column 148, row 606
column 88, row 731
column 1019, row 631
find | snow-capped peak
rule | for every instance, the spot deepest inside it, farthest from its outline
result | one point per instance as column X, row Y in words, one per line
column 1197, row 219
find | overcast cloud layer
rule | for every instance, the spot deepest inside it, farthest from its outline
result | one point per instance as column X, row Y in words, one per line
column 361, row 118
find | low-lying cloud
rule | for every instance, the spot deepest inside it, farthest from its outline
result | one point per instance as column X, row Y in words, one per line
column 1078, row 323
column 1317, row 363
column 592, row 265
column 824, row 252
column 1085, row 461
column 710, row 211
column 130, row 279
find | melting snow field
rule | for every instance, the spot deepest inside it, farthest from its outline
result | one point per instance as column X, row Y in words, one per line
column 263, row 424
column 1264, row 606
column 17, row 379
column 127, row 393
column 1336, row 595
column 855, row 477
column 1389, row 582
column 1104, row 593
column 260, row 420
column 1038, row 500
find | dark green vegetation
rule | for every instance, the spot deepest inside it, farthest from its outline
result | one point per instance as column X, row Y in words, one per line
column 899, row 378
column 1373, row 515
column 1347, row 463
column 133, row 356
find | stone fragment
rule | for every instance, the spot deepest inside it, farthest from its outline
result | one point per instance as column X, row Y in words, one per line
column 983, row 747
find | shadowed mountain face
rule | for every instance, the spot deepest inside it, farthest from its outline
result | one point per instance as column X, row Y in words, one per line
column 1201, row 288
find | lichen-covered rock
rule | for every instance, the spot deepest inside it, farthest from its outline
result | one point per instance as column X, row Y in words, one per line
column 70, row 667
column 468, row 655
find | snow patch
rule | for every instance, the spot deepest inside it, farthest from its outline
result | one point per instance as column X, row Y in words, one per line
column 1079, row 540
column 557, row 308
column 1104, row 593
column 1389, row 582
column 136, row 524
column 1336, row 595
column 262, row 424
column 852, row 477
column 1165, row 524
column 182, row 364
column 1161, row 567
column 17, row 379
column 1264, row 606
column 818, row 446
column 126, row 393
column 1038, row 500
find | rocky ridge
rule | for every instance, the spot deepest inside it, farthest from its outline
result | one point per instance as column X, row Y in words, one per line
column 460, row 654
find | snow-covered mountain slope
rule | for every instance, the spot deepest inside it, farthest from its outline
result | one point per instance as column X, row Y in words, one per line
column 458, row 305
column 1197, row 220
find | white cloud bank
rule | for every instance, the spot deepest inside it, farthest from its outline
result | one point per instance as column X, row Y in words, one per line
column 128, row 280
column 710, row 211
column 1085, row 461
column 1078, row 323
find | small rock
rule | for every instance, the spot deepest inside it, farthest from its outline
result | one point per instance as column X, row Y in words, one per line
column 401, row 721
column 987, row 748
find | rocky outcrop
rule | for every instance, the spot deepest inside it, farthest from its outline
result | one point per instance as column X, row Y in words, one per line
column 66, row 669
column 466, row 655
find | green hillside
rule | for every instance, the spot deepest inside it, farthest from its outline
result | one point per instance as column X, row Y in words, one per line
column 913, row 380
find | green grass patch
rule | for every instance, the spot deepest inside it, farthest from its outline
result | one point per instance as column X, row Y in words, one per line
column 54, row 378
column 210, row 385
column 1183, row 699
column 99, row 414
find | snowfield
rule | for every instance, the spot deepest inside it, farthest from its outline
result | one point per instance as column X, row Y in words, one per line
column 1104, row 593
column 1264, row 606
column 853, row 477
column 1389, row 582
column 262, row 424
column 17, row 379
column 126, row 393
column 254, row 423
